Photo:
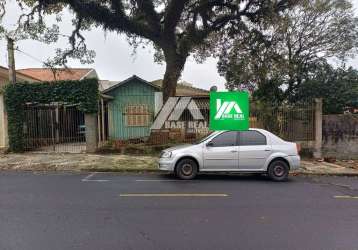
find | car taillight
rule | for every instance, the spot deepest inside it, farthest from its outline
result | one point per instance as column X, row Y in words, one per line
column 298, row 148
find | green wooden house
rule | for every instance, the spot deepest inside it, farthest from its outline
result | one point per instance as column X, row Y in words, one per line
column 131, row 107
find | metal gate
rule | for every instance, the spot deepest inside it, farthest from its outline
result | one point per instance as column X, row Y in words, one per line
column 54, row 128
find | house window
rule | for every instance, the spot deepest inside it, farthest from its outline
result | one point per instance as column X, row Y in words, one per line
column 137, row 115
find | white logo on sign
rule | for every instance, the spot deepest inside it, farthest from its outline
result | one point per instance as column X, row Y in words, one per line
column 224, row 109
column 173, row 109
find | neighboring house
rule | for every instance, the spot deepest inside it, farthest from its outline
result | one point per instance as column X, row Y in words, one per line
column 68, row 123
column 74, row 119
column 185, row 89
column 4, row 79
column 20, row 77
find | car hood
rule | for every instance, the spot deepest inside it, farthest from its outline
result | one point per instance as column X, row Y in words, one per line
column 178, row 147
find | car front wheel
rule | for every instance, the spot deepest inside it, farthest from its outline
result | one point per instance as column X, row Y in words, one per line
column 186, row 169
column 278, row 170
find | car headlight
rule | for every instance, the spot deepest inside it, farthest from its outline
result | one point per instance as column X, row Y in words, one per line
column 166, row 154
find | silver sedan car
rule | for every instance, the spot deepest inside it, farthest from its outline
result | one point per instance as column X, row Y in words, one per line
column 251, row 151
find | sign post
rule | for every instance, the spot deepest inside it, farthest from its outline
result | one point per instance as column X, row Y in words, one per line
column 229, row 111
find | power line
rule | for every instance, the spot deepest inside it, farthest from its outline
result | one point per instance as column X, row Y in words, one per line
column 31, row 56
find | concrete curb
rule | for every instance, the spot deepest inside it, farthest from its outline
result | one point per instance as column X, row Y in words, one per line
column 327, row 174
column 110, row 170
column 161, row 171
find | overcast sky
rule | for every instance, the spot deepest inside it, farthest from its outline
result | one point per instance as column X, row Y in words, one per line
column 114, row 60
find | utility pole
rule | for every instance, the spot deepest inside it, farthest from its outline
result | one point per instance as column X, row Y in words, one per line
column 11, row 59
column 12, row 80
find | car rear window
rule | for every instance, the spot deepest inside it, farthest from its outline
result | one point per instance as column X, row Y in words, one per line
column 250, row 138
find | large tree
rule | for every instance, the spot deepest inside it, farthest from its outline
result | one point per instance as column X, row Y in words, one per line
column 337, row 86
column 177, row 28
column 284, row 52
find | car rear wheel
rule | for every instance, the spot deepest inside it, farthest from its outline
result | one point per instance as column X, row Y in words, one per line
column 278, row 170
column 186, row 169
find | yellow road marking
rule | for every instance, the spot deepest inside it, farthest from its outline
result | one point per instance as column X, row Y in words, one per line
column 345, row 197
column 158, row 180
column 173, row 195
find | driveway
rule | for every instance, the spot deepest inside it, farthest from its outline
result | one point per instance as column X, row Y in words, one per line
column 153, row 211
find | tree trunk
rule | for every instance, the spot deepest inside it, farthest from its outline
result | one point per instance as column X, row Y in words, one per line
column 174, row 67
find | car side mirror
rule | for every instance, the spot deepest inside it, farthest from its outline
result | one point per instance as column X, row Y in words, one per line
column 209, row 144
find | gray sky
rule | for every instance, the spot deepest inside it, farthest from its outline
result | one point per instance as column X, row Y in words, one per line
column 114, row 60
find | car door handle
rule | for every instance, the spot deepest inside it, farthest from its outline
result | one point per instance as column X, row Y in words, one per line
column 267, row 149
column 233, row 151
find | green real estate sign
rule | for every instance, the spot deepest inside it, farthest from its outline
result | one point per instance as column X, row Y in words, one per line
column 229, row 111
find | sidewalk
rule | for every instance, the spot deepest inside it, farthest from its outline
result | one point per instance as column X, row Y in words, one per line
column 117, row 162
column 77, row 162
column 326, row 168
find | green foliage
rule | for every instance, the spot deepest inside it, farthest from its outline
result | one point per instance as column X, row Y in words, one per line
column 270, row 92
column 83, row 93
column 175, row 28
column 338, row 88
column 287, row 49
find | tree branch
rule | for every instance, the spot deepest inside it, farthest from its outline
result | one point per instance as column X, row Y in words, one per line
column 147, row 9
column 114, row 19
column 172, row 16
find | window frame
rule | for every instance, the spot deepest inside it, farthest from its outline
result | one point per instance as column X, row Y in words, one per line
column 236, row 139
column 252, row 131
column 135, row 111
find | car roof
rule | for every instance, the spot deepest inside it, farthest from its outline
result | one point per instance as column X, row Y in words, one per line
column 273, row 138
column 250, row 129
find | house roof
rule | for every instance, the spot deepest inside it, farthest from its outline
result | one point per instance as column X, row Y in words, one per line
column 110, row 85
column 48, row 74
column 106, row 84
column 20, row 75
column 185, row 89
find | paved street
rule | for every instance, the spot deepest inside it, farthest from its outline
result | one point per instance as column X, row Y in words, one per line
column 152, row 211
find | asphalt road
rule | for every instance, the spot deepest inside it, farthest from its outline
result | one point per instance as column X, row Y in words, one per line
column 111, row 211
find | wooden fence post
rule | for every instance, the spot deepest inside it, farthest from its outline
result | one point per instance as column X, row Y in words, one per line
column 317, row 153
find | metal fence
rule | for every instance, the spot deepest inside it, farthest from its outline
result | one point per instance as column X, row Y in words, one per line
column 54, row 128
column 186, row 119
column 290, row 122
column 61, row 128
